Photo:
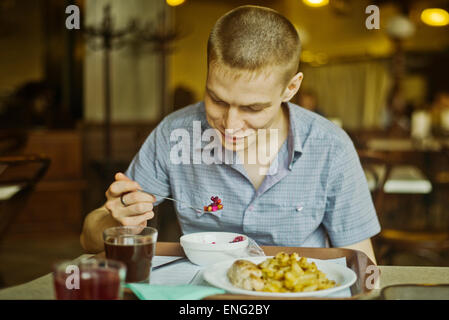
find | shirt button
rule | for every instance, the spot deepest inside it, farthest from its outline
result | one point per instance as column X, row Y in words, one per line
column 251, row 208
column 299, row 208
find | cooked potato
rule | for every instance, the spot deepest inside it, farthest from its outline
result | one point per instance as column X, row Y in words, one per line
column 289, row 273
column 283, row 273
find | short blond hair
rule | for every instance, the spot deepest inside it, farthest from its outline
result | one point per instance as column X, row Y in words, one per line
column 254, row 39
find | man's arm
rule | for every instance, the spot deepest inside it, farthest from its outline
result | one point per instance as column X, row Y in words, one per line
column 366, row 247
column 95, row 223
column 138, row 209
column 350, row 218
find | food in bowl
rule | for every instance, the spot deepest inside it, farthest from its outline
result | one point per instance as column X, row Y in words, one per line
column 282, row 273
column 204, row 248
column 236, row 239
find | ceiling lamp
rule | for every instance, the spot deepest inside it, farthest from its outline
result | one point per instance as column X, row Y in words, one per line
column 435, row 17
column 316, row 3
column 174, row 3
column 400, row 27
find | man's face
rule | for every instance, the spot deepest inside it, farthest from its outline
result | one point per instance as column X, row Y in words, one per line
column 237, row 108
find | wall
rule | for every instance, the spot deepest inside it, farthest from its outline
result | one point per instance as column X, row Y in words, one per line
column 134, row 78
column 21, row 45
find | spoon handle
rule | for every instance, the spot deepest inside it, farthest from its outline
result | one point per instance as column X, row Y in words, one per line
column 175, row 200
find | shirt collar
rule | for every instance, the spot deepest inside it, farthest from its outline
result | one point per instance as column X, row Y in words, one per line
column 294, row 142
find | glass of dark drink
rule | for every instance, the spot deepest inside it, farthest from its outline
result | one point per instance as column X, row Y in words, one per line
column 134, row 246
column 89, row 279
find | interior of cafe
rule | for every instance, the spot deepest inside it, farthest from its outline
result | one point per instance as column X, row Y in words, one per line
column 77, row 104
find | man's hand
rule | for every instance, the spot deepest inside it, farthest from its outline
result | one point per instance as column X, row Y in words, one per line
column 139, row 205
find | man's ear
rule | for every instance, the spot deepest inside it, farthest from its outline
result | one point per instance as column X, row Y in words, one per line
column 292, row 87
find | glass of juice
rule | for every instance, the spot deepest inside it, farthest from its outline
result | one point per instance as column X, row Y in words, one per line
column 134, row 246
column 89, row 279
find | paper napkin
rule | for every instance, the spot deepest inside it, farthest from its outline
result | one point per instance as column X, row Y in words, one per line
column 180, row 292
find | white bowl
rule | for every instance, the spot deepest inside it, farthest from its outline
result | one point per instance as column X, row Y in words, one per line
column 200, row 249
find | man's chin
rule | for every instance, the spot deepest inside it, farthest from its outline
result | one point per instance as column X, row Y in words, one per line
column 235, row 147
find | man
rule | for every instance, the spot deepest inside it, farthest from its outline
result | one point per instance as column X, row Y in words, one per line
column 309, row 100
column 310, row 191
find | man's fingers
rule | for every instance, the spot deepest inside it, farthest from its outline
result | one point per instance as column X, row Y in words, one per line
column 118, row 210
column 136, row 220
column 121, row 213
column 121, row 177
column 141, row 207
column 138, row 196
column 117, row 188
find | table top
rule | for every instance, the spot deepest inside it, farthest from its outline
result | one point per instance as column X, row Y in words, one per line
column 408, row 144
column 42, row 288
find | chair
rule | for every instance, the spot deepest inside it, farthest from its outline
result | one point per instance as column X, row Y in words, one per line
column 18, row 177
column 424, row 243
column 11, row 141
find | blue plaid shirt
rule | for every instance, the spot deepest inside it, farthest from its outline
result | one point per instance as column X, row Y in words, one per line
column 317, row 195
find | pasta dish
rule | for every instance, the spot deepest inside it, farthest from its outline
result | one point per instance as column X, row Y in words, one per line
column 282, row 273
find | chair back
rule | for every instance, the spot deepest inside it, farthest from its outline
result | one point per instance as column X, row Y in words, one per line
column 18, row 174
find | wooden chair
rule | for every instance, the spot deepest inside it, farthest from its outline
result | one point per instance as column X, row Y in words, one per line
column 18, row 177
column 11, row 141
column 424, row 243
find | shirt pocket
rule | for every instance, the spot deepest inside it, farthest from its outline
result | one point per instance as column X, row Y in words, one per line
column 295, row 222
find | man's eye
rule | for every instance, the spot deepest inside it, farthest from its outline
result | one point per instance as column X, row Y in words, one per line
column 252, row 109
column 222, row 103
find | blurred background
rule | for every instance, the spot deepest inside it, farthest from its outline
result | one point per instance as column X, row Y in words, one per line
column 76, row 105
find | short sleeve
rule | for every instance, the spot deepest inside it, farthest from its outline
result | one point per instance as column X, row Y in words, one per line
column 350, row 216
column 150, row 166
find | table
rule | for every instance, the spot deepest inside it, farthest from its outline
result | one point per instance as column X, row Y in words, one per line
column 408, row 144
column 424, row 171
column 42, row 288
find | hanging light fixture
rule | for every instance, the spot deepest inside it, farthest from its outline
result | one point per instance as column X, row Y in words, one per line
column 435, row 17
column 174, row 3
column 400, row 27
column 316, row 3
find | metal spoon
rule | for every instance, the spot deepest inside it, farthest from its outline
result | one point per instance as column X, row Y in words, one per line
column 175, row 200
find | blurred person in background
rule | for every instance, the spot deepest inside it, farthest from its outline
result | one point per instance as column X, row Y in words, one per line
column 308, row 99
column 440, row 109
column 30, row 106
column 396, row 116
column 182, row 96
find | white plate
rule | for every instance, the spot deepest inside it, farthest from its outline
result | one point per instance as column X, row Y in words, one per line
column 216, row 275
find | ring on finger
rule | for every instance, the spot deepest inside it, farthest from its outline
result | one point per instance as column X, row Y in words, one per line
column 123, row 201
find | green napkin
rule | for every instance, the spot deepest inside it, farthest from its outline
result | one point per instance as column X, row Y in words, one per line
column 181, row 292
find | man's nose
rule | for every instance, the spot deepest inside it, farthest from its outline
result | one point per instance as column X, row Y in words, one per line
column 233, row 121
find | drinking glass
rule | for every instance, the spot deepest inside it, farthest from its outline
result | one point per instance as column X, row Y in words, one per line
column 134, row 246
column 89, row 279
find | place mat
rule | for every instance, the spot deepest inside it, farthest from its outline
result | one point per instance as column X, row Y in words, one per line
column 186, row 273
